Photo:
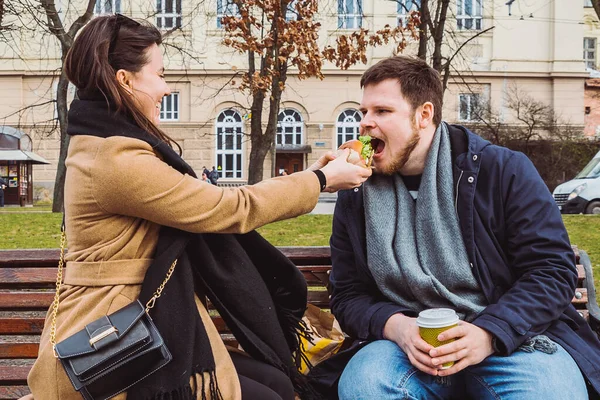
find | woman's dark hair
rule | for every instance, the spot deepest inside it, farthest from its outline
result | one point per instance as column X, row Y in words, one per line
column 104, row 46
column 419, row 83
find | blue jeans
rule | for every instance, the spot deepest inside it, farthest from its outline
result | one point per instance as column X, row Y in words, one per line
column 382, row 371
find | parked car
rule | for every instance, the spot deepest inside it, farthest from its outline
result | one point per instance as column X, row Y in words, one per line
column 581, row 194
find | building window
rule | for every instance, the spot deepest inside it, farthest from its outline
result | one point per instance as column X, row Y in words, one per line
column 349, row 14
column 290, row 13
column 229, row 144
column 468, row 14
column 169, row 109
column 405, row 7
column 168, row 14
column 468, row 107
column 289, row 127
column 347, row 125
column 107, row 7
column 226, row 8
column 587, row 3
column 589, row 52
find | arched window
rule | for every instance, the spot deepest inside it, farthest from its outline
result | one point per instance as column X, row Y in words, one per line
column 290, row 127
column 348, row 125
column 226, row 8
column 229, row 144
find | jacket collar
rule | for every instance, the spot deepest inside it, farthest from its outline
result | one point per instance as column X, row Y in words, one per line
column 465, row 144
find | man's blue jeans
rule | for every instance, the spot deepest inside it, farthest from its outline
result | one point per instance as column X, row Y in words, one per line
column 382, row 371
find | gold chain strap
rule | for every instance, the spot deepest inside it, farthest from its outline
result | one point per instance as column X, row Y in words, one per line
column 158, row 292
column 59, row 277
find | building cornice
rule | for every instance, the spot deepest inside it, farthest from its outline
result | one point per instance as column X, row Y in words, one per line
column 523, row 74
column 334, row 72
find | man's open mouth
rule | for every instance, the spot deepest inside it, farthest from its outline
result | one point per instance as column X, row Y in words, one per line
column 377, row 144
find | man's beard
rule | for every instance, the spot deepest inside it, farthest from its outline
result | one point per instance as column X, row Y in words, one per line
column 401, row 159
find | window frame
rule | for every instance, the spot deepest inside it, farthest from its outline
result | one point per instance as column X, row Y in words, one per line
column 175, row 108
column 355, row 16
column 226, row 8
column 469, row 97
column 403, row 11
column 99, row 7
column 162, row 15
column 296, row 125
column 590, row 50
column 290, row 11
column 345, row 124
column 232, row 120
column 475, row 18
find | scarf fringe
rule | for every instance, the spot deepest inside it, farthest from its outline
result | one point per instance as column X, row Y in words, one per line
column 299, row 353
column 182, row 393
column 302, row 383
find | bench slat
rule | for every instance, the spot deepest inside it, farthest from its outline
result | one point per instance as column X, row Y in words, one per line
column 35, row 325
column 580, row 275
column 27, row 277
column 26, row 300
column 581, row 298
column 46, row 277
column 301, row 255
column 13, row 392
column 14, row 374
column 21, row 326
column 19, row 350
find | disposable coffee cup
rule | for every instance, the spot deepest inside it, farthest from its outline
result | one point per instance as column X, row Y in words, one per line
column 434, row 321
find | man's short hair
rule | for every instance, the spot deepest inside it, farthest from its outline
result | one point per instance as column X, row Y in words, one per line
column 419, row 83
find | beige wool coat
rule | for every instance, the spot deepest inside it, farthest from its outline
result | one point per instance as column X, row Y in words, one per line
column 118, row 193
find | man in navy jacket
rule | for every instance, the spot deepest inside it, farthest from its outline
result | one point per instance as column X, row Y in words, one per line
column 450, row 220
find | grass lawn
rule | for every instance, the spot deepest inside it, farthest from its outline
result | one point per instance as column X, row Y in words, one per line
column 27, row 229
column 584, row 231
column 45, row 208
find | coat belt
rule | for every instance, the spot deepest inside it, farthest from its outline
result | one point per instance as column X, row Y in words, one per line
column 106, row 273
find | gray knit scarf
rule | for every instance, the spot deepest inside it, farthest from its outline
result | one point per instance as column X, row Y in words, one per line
column 415, row 249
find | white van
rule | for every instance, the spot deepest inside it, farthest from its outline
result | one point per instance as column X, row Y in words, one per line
column 581, row 194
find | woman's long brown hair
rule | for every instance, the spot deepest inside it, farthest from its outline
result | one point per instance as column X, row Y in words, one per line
column 104, row 46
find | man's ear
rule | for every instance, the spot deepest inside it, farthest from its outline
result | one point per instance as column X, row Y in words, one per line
column 124, row 78
column 425, row 115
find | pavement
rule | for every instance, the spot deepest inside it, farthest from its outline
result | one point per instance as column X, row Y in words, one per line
column 326, row 204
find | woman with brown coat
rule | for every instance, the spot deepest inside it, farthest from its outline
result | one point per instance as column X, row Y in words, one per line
column 133, row 206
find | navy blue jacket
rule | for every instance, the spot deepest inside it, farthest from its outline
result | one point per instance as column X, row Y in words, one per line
column 517, row 245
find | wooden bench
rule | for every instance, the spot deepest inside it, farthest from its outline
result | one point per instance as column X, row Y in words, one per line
column 27, row 280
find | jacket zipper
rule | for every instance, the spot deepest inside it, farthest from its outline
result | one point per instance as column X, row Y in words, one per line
column 456, row 199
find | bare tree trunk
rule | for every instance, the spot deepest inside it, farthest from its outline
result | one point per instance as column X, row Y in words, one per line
column 438, row 36
column 263, row 141
column 61, row 105
column 258, row 150
column 423, row 30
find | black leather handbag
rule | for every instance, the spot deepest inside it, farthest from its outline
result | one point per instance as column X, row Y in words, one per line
column 114, row 352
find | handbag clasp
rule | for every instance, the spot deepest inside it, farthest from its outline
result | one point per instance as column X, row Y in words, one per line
column 102, row 335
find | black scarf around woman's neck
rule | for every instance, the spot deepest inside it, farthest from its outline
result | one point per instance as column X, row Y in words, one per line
column 258, row 292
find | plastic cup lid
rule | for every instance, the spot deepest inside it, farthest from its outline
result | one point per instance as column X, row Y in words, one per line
column 437, row 318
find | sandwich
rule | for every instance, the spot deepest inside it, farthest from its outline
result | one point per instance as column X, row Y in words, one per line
column 361, row 151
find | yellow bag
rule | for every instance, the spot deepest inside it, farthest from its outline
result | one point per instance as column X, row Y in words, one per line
column 326, row 336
